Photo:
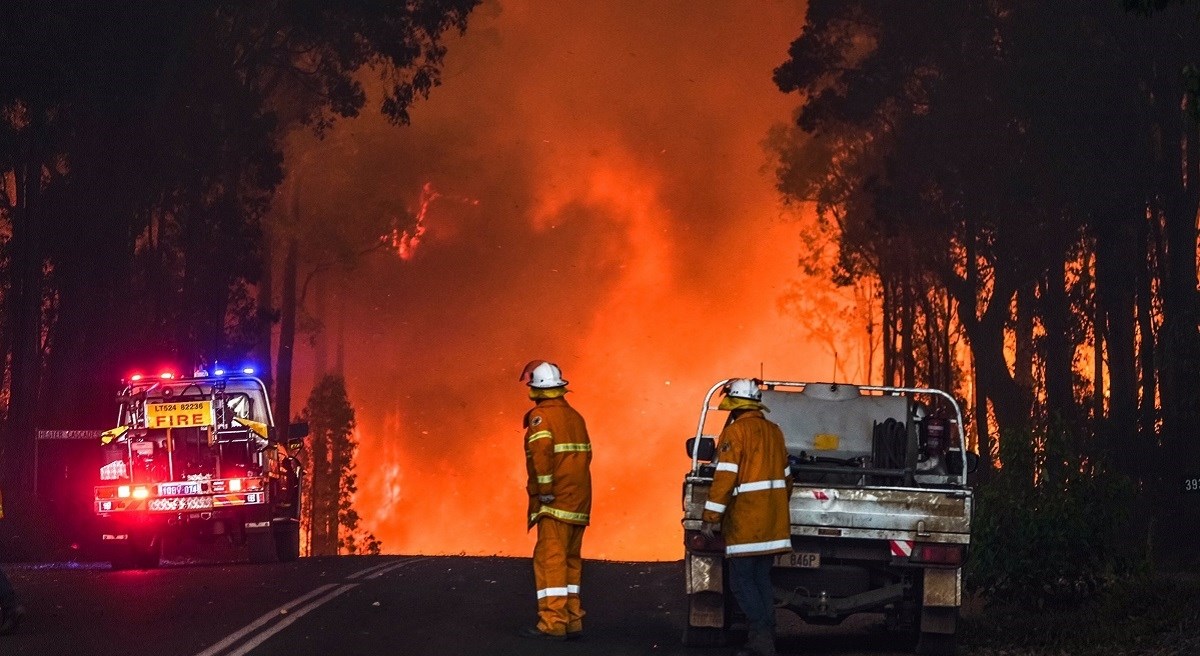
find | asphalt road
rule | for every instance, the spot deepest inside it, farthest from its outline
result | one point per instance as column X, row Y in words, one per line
column 395, row 605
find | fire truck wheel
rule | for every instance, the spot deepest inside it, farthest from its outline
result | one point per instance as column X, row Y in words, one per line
column 261, row 546
column 937, row 644
column 122, row 557
column 136, row 556
column 287, row 541
column 149, row 557
column 703, row 636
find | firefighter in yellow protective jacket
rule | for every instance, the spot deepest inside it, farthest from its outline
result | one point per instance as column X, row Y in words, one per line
column 558, row 455
column 749, row 498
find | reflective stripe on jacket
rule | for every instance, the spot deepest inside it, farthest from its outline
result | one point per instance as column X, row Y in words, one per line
column 558, row 455
column 751, row 487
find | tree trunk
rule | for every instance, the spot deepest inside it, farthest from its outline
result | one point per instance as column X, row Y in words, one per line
column 1116, row 252
column 1023, row 334
column 1179, row 341
column 1056, row 310
column 1148, row 411
column 887, row 322
column 266, row 316
column 287, row 338
column 320, row 340
column 28, row 294
column 907, row 328
column 1009, row 403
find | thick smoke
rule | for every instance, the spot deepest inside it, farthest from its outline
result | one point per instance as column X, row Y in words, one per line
column 605, row 202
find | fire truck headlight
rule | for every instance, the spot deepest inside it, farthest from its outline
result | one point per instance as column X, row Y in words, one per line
column 140, row 492
column 123, row 491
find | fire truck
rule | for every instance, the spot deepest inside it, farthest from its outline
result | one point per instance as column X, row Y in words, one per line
column 880, row 512
column 198, row 458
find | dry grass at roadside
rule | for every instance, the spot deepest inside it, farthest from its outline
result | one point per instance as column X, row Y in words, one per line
column 1154, row 616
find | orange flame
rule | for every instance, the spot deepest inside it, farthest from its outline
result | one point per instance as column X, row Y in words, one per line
column 630, row 236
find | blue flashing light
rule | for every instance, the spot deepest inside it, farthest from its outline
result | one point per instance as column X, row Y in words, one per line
column 219, row 372
column 249, row 371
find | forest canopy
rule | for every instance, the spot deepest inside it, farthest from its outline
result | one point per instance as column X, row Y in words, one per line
column 1018, row 179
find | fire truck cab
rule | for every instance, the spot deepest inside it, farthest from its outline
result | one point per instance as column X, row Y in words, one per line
column 198, row 457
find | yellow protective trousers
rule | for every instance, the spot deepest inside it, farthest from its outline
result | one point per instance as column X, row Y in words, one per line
column 556, row 570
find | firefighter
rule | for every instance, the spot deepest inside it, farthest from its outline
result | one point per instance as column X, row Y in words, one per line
column 11, row 610
column 749, row 498
column 558, row 455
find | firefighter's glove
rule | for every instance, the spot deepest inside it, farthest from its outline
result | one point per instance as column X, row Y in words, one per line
column 709, row 530
column 546, row 498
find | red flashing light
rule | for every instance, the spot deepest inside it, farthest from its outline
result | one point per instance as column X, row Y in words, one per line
column 135, row 377
column 696, row 541
column 166, row 375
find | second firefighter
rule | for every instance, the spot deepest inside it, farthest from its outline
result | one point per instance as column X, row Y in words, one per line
column 558, row 456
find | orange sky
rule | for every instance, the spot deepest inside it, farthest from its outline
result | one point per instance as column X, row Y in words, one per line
column 607, row 204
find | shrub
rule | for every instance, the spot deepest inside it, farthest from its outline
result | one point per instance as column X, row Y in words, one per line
column 1050, row 526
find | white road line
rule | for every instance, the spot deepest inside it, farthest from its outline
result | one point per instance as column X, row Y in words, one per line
column 394, row 566
column 364, row 571
column 267, row 617
column 292, row 617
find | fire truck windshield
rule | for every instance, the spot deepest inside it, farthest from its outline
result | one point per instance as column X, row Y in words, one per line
column 195, row 403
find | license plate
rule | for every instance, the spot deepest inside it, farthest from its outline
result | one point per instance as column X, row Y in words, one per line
column 181, row 503
column 802, row 559
column 172, row 489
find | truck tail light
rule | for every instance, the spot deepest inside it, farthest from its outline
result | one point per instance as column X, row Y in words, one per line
column 937, row 554
column 696, row 541
column 140, row 492
column 235, row 485
column 123, row 491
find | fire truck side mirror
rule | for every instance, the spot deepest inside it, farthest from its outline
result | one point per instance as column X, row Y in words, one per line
column 297, row 431
column 707, row 449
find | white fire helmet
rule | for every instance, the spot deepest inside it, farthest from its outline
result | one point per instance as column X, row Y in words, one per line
column 544, row 376
column 743, row 388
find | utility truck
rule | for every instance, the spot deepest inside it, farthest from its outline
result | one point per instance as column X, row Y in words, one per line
column 197, row 457
column 880, row 512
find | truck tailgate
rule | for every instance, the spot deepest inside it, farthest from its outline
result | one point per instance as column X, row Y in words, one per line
column 936, row 515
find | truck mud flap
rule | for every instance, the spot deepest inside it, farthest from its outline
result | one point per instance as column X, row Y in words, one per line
column 705, row 591
column 942, row 588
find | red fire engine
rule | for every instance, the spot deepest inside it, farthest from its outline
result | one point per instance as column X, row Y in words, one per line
column 198, row 456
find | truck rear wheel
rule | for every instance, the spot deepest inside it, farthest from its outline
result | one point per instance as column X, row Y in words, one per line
column 149, row 556
column 943, row 639
column 262, row 546
column 703, row 636
column 137, row 553
column 937, row 644
column 121, row 557
column 287, row 541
